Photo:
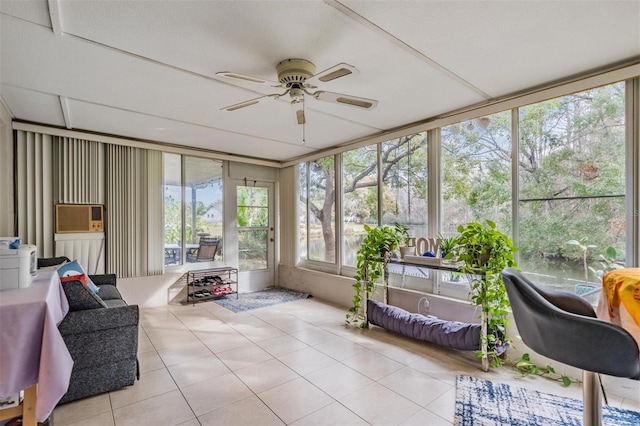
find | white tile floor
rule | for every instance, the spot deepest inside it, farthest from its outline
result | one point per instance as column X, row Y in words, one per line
column 294, row 363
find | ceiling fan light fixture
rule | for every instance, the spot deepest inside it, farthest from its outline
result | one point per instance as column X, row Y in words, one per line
column 292, row 71
column 297, row 77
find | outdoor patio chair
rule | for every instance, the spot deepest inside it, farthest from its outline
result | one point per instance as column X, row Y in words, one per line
column 206, row 251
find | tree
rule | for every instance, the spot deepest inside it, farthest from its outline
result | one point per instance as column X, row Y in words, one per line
column 173, row 220
column 571, row 154
column 359, row 167
column 570, row 168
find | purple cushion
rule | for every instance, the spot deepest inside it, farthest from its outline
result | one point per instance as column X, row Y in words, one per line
column 451, row 334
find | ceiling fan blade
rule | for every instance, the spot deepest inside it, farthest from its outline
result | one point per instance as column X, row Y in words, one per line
column 245, row 103
column 341, row 99
column 335, row 72
column 247, row 78
column 297, row 107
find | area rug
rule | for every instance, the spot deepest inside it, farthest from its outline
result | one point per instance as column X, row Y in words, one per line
column 259, row 299
column 482, row 402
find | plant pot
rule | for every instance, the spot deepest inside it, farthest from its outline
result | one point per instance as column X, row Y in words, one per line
column 451, row 261
column 481, row 256
column 407, row 250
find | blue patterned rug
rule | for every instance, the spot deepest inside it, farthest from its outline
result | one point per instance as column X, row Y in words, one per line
column 259, row 299
column 482, row 402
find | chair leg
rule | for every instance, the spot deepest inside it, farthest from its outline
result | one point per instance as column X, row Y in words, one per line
column 592, row 399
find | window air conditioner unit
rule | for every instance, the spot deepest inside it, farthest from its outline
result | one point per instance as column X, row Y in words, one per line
column 76, row 218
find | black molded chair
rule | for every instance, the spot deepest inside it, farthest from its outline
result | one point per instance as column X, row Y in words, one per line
column 563, row 326
column 206, row 251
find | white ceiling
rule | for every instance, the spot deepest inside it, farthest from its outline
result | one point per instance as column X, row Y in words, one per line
column 146, row 69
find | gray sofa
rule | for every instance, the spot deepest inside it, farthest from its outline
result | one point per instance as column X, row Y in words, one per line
column 101, row 333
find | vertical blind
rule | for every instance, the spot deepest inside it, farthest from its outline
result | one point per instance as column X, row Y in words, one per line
column 134, row 234
column 34, row 190
column 128, row 181
column 79, row 172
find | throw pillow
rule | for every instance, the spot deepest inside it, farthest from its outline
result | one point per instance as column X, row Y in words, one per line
column 73, row 269
column 82, row 278
column 80, row 297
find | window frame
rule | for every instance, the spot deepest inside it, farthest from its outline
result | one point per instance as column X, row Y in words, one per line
column 632, row 165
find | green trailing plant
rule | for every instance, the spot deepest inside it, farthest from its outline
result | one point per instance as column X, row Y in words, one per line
column 370, row 262
column 484, row 252
column 525, row 367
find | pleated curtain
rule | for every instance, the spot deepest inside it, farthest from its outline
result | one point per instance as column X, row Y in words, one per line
column 78, row 176
column 134, row 211
column 128, row 181
column 34, row 190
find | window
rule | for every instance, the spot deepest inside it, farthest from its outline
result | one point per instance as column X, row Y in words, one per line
column 253, row 227
column 570, row 165
column 476, row 173
column 359, row 198
column 302, row 211
column 321, row 210
column 572, row 185
column 404, row 183
column 192, row 206
column 172, row 209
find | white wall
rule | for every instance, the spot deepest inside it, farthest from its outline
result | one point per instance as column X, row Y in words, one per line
column 6, row 174
column 158, row 290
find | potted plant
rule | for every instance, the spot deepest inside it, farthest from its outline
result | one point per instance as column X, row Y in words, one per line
column 446, row 246
column 484, row 252
column 374, row 252
column 409, row 247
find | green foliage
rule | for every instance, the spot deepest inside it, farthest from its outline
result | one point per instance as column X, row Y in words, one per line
column 370, row 265
column 253, row 207
column 524, row 367
column 608, row 262
column 569, row 148
column 447, row 244
column 173, row 220
column 403, row 231
column 572, row 147
column 584, row 248
column 484, row 252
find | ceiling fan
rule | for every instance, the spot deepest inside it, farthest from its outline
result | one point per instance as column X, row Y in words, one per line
column 298, row 78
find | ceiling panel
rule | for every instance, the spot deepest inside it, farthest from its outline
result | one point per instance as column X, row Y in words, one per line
column 146, row 69
column 102, row 119
column 504, row 47
column 33, row 106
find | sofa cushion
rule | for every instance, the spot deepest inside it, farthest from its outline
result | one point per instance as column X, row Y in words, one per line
column 109, row 292
column 74, row 268
column 114, row 303
column 80, row 297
